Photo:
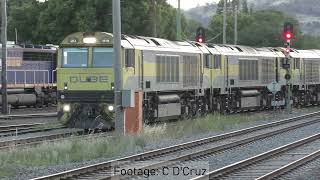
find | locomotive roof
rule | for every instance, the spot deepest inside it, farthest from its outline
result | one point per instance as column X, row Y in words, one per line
column 242, row 50
column 151, row 43
column 159, row 44
column 308, row 54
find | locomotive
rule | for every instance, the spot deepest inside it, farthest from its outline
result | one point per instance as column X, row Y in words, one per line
column 178, row 79
column 31, row 75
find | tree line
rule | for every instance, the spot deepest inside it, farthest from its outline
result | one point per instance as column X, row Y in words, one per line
column 52, row 20
column 257, row 28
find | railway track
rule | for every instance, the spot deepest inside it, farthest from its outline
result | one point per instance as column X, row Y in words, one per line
column 271, row 164
column 35, row 140
column 33, row 115
column 18, row 127
column 187, row 151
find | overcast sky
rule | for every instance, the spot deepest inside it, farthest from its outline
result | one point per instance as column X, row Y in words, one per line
column 187, row 4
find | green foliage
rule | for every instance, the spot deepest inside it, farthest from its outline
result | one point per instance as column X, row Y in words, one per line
column 309, row 42
column 51, row 21
column 232, row 4
column 261, row 28
column 245, row 8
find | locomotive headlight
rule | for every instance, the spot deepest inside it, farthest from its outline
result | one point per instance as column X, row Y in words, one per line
column 110, row 108
column 89, row 40
column 65, row 86
column 62, row 96
column 112, row 86
column 66, row 108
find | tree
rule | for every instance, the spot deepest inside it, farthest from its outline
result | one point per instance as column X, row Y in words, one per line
column 51, row 21
column 245, row 6
column 262, row 28
column 251, row 8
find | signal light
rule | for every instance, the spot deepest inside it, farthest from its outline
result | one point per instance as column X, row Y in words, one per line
column 200, row 35
column 287, row 76
column 200, row 40
column 288, row 31
column 288, row 35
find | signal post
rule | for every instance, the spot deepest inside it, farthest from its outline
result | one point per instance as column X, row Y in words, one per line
column 288, row 35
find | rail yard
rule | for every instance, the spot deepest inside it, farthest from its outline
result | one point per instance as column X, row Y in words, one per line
column 95, row 90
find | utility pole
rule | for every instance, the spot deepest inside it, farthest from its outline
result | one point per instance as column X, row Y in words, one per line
column 179, row 22
column 235, row 24
column 119, row 112
column 154, row 18
column 16, row 31
column 4, row 57
column 224, row 41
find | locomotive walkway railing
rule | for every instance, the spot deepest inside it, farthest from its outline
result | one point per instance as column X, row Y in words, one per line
column 31, row 77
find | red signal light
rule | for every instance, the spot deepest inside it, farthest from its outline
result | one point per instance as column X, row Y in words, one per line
column 200, row 35
column 200, row 40
column 288, row 32
column 288, row 35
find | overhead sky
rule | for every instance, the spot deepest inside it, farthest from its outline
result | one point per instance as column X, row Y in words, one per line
column 188, row 4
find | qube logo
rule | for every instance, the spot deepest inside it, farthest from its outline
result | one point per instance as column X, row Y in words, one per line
column 88, row 79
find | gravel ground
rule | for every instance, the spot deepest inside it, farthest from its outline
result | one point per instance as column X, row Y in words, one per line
column 246, row 151
column 234, row 155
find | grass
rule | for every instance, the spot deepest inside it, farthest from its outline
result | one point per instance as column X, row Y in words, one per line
column 209, row 123
column 82, row 149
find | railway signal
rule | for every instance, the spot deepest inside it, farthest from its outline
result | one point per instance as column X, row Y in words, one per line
column 200, row 35
column 288, row 35
column 288, row 31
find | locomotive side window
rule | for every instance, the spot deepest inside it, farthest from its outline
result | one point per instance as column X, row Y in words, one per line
column 217, row 62
column 129, row 57
column 103, row 57
column 75, row 57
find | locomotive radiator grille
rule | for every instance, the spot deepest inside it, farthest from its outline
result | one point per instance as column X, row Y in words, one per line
column 268, row 71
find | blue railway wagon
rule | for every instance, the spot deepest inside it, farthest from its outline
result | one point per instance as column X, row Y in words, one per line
column 31, row 75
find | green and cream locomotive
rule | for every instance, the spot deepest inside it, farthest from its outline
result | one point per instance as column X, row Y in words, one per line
column 177, row 79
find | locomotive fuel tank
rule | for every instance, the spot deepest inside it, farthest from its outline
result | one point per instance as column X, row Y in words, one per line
column 21, row 99
column 169, row 106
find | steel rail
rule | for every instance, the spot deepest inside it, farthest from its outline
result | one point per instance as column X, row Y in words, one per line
column 217, row 149
column 183, row 146
column 219, row 173
column 10, row 128
column 283, row 170
column 24, row 142
column 34, row 115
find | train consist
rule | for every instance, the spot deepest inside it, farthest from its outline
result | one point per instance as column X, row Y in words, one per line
column 178, row 79
column 31, row 75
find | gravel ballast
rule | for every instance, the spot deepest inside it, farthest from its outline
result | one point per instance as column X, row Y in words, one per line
column 216, row 161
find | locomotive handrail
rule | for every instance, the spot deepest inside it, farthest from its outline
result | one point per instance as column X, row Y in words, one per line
column 52, row 76
column 42, row 80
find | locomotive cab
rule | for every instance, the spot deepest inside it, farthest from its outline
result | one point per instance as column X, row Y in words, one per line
column 85, row 81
